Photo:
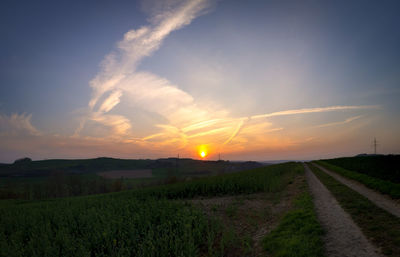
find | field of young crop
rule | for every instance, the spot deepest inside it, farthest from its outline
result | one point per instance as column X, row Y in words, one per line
column 38, row 180
column 386, row 167
column 147, row 222
column 383, row 186
column 267, row 179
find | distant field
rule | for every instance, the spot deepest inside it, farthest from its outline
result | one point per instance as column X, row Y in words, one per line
column 143, row 173
column 27, row 179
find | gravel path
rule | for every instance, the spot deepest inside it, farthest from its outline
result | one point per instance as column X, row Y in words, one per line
column 343, row 237
column 378, row 199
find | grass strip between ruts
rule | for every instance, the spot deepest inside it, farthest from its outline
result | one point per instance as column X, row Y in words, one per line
column 299, row 232
column 380, row 227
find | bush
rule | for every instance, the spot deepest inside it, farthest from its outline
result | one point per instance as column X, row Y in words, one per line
column 22, row 161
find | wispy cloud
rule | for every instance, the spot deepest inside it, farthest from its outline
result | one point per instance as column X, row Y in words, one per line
column 120, row 77
column 119, row 125
column 254, row 129
column 243, row 121
column 17, row 124
column 316, row 110
column 339, row 122
column 183, row 120
column 111, row 101
column 236, row 132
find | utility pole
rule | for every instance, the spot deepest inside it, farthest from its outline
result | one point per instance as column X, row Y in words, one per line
column 219, row 156
column 375, row 145
column 177, row 167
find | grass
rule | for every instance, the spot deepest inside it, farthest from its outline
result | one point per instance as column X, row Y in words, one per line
column 146, row 222
column 381, row 227
column 299, row 232
column 383, row 186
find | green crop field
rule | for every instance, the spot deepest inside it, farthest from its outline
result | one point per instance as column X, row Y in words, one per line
column 27, row 179
column 383, row 186
column 155, row 221
column 386, row 167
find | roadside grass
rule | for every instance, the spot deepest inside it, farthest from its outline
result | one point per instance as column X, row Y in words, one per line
column 298, row 233
column 381, row 227
column 383, row 186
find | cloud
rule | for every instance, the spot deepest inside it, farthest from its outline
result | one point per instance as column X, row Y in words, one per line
column 181, row 120
column 140, row 43
column 17, row 124
column 250, row 131
column 243, row 121
column 120, row 126
column 119, row 75
column 236, row 132
column 111, row 101
column 316, row 110
column 156, row 94
column 339, row 122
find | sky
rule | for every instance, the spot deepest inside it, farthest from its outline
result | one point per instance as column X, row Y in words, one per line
column 243, row 80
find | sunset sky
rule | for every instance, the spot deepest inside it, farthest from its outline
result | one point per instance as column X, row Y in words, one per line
column 250, row 80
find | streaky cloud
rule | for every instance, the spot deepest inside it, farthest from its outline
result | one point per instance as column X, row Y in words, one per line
column 236, row 132
column 340, row 122
column 316, row 110
column 119, row 69
column 111, row 101
column 242, row 121
column 17, row 124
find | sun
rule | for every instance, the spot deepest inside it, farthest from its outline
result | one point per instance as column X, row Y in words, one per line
column 202, row 151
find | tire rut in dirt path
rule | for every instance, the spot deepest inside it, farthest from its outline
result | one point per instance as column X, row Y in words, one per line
column 378, row 199
column 343, row 237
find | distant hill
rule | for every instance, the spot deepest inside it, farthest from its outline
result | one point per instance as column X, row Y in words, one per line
column 27, row 168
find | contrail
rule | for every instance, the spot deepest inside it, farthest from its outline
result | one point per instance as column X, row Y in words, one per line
column 301, row 111
column 316, row 110
column 236, row 132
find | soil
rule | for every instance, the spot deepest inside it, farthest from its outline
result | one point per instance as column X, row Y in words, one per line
column 343, row 237
column 380, row 200
column 253, row 215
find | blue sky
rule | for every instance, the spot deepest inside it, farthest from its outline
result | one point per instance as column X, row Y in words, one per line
column 181, row 74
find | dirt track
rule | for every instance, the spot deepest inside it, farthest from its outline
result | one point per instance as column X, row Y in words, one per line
column 343, row 237
column 378, row 199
